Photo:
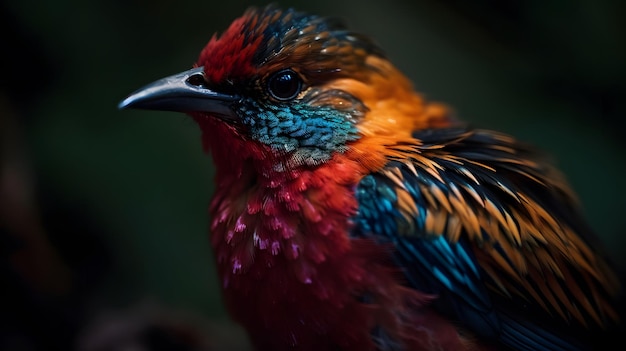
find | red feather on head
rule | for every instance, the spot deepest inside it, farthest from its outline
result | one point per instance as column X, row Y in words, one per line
column 231, row 55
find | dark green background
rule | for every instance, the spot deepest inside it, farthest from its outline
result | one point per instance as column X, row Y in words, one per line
column 120, row 197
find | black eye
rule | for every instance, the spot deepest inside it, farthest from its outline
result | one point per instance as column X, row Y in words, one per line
column 284, row 85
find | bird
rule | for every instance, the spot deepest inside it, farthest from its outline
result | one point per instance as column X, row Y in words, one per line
column 352, row 213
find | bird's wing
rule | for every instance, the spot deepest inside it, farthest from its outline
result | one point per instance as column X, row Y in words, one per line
column 481, row 221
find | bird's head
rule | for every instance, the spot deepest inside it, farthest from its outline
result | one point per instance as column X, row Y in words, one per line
column 289, row 90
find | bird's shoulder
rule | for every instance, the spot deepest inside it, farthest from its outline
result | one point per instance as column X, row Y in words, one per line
column 487, row 223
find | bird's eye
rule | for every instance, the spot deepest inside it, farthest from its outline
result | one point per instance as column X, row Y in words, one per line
column 284, row 85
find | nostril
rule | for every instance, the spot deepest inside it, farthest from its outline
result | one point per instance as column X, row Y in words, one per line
column 197, row 80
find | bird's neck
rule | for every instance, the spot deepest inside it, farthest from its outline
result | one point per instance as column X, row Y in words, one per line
column 268, row 211
column 290, row 270
column 283, row 251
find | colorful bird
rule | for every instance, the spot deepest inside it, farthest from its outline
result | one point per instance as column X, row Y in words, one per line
column 352, row 214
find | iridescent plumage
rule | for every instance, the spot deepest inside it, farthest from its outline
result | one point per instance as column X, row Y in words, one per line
column 352, row 214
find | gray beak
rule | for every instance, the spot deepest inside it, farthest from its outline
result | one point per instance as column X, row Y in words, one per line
column 183, row 92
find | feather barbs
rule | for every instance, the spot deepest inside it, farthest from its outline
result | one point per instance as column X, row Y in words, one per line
column 231, row 55
column 492, row 190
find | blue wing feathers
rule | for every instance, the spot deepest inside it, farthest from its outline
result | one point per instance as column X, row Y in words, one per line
column 450, row 270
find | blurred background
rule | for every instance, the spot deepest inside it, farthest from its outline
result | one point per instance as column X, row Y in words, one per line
column 103, row 213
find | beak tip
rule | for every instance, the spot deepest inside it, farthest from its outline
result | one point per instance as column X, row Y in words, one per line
column 136, row 100
column 124, row 104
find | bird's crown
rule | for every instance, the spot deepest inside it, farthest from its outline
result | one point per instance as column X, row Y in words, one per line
column 269, row 38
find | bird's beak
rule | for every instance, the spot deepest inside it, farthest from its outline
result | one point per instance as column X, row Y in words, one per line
column 183, row 92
